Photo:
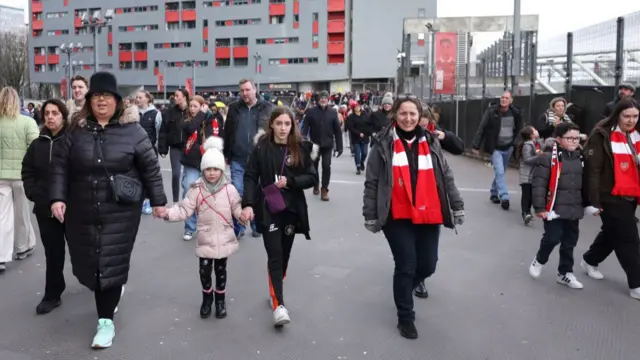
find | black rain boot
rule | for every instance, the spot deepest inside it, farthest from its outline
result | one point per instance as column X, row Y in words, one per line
column 205, row 308
column 421, row 291
column 408, row 329
column 221, row 307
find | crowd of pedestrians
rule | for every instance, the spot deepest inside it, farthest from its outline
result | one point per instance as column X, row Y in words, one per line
column 92, row 171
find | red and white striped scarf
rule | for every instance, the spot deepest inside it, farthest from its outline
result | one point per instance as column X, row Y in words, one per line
column 556, row 169
column 625, row 170
column 427, row 208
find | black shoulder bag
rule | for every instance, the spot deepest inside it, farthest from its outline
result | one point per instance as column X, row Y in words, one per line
column 126, row 190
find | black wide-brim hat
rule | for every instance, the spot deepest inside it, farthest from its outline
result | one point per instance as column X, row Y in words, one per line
column 103, row 82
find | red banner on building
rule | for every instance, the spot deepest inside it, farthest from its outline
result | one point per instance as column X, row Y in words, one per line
column 445, row 70
column 189, row 86
column 160, row 82
column 63, row 88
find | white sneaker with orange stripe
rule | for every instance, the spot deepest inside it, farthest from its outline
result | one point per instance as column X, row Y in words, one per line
column 281, row 316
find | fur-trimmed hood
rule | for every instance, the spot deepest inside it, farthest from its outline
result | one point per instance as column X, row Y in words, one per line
column 129, row 115
column 313, row 152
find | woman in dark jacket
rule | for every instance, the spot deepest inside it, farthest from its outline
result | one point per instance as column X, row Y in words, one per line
column 611, row 173
column 280, row 165
column 360, row 130
column 100, row 174
column 195, row 129
column 171, row 139
column 409, row 192
column 36, row 179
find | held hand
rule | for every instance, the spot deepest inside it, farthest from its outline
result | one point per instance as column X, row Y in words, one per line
column 372, row 225
column 361, row 135
column 542, row 215
column 58, row 210
column 282, row 182
column 458, row 217
column 247, row 213
column 440, row 134
column 538, row 152
column 160, row 212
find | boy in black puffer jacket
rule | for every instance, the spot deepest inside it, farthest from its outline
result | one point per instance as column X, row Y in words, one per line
column 558, row 199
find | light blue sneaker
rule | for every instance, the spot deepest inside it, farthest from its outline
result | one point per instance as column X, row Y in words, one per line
column 146, row 207
column 105, row 333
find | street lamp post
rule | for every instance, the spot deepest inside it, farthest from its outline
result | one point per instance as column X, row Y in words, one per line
column 401, row 55
column 69, row 49
column 96, row 22
column 258, row 58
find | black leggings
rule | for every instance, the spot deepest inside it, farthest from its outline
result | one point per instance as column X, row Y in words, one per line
column 175, row 154
column 107, row 300
column 207, row 266
column 278, row 241
column 525, row 200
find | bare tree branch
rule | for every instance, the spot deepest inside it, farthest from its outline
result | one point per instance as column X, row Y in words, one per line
column 13, row 60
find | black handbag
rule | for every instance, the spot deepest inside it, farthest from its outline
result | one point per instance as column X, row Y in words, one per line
column 125, row 189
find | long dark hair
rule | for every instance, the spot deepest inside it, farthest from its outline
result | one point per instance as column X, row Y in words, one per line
column 526, row 134
column 61, row 107
column 294, row 140
column 621, row 106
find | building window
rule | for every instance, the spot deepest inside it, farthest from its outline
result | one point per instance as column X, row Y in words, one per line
column 53, row 68
column 222, row 3
column 315, row 17
column 140, row 65
column 57, row 32
column 57, row 15
column 223, row 62
column 422, row 13
column 137, row 9
column 240, row 62
column 221, row 23
column 126, row 65
column 172, row 26
column 240, row 41
column 278, row 19
column 82, row 31
column 223, row 43
column 188, row 5
column 38, row 51
column 40, row 68
column 37, row 33
column 274, row 41
column 137, row 28
column 53, row 50
column 172, row 6
column 277, row 1
column 315, row 38
column 293, row 61
column 125, row 47
column 188, row 24
column 140, row 46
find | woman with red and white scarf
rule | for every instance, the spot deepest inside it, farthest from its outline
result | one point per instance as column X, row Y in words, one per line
column 613, row 181
column 409, row 193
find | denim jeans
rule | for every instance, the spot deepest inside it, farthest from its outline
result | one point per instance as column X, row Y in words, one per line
column 237, row 180
column 415, row 253
column 565, row 233
column 361, row 150
column 189, row 175
column 500, row 161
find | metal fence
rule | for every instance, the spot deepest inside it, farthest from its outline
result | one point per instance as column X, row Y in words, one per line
column 604, row 54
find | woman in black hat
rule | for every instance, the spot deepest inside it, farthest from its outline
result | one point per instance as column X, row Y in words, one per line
column 100, row 175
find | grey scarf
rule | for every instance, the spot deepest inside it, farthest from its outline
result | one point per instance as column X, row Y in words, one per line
column 214, row 187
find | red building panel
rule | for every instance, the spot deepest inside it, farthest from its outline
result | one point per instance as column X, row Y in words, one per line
column 228, row 23
column 125, row 56
column 296, row 25
column 36, row 6
column 77, row 22
column 119, row 11
column 86, row 67
column 284, row 61
column 335, row 48
column 315, row 45
column 205, row 49
column 39, row 60
column 270, row 41
column 223, row 53
column 188, row 15
column 36, row 24
column 66, row 3
column 217, row 3
column 110, row 38
column 296, row 7
column 335, row 37
column 156, row 71
column 277, row 9
column 205, row 33
column 166, row 46
column 335, row 5
column 171, row 16
column 335, row 26
column 335, row 16
column 420, row 42
column 315, row 27
column 53, row 59
column 109, row 53
column 335, row 59
column 140, row 55
column 241, row 52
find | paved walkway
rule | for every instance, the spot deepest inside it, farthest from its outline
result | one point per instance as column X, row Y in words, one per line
column 483, row 303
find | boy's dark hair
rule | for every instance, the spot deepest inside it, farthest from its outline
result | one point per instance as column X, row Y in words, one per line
column 564, row 128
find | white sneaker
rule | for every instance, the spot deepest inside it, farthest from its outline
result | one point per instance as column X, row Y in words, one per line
column 635, row 293
column 281, row 316
column 187, row 236
column 592, row 271
column 569, row 280
column 535, row 269
column 115, row 311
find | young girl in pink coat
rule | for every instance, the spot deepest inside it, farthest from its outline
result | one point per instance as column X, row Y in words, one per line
column 216, row 202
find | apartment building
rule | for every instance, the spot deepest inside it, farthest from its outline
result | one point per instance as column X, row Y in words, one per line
column 283, row 44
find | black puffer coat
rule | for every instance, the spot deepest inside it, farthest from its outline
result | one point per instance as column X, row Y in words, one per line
column 101, row 232
column 35, row 170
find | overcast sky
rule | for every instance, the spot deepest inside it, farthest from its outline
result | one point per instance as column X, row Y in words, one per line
column 556, row 16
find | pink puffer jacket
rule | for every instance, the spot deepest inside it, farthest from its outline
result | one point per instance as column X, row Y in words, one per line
column 215, row 238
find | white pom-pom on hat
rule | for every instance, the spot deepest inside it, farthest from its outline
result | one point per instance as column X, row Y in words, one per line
column 214, row 142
